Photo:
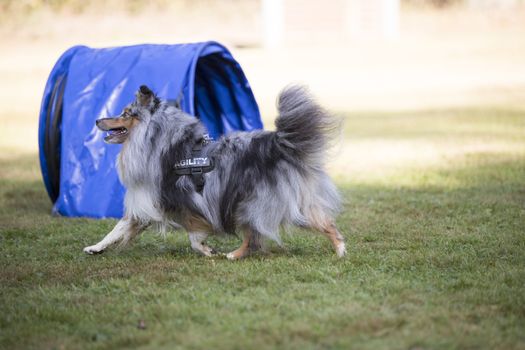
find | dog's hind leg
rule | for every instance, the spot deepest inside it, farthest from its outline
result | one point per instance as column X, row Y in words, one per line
column 125, row 230
column 198, row 244
column 335, row 237
column 251, row 242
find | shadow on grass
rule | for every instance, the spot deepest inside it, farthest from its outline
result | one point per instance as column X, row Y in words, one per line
column 480, row 187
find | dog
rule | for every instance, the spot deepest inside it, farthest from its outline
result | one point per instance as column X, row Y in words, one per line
column 250, row 183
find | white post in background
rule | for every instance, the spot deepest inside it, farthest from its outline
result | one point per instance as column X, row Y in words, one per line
column 273, row 23
column 390, row 18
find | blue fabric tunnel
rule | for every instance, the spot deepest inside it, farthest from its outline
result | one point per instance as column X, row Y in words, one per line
column 78, row 168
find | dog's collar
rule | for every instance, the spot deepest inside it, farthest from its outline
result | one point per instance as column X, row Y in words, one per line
column 197, row 165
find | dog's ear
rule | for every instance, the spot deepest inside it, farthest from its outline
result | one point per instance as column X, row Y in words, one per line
column 145, row 96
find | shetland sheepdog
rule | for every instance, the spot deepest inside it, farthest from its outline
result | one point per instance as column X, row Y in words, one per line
column 248, row 183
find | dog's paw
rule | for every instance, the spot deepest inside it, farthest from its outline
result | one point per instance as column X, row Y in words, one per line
column 235, row 255
column 93, row 249
column 204, row 250
column 231, row 256
column 208, row 251
column 341, row 250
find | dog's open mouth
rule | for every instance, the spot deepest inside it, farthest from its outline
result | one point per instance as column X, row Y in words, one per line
column 115, row 133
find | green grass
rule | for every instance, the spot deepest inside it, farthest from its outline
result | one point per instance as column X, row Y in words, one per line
column 436, row 259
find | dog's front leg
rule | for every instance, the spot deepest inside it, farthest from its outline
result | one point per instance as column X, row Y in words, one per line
column 125, row 230
column 197, row 240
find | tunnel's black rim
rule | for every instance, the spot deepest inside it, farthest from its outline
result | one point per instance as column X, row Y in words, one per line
column 53, row 136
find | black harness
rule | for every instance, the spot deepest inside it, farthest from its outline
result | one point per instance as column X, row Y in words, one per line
column 197, row 165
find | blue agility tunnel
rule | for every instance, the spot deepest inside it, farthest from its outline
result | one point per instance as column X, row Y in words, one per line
column 78, row 168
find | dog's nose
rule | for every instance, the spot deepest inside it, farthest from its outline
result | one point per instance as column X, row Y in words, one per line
column 97, row 122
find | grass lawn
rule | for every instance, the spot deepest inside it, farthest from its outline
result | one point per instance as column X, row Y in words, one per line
column 435, row 226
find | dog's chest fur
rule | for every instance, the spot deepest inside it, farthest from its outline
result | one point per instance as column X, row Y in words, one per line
column 146, row 168
column 140, row 202
column 134, row 169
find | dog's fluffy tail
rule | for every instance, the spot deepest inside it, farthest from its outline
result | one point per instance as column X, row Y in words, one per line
column 303, row 126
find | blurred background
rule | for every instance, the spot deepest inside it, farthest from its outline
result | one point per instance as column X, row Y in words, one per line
column 360, row 57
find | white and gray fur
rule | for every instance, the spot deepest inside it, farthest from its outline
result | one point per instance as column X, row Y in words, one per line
column 262, row 180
